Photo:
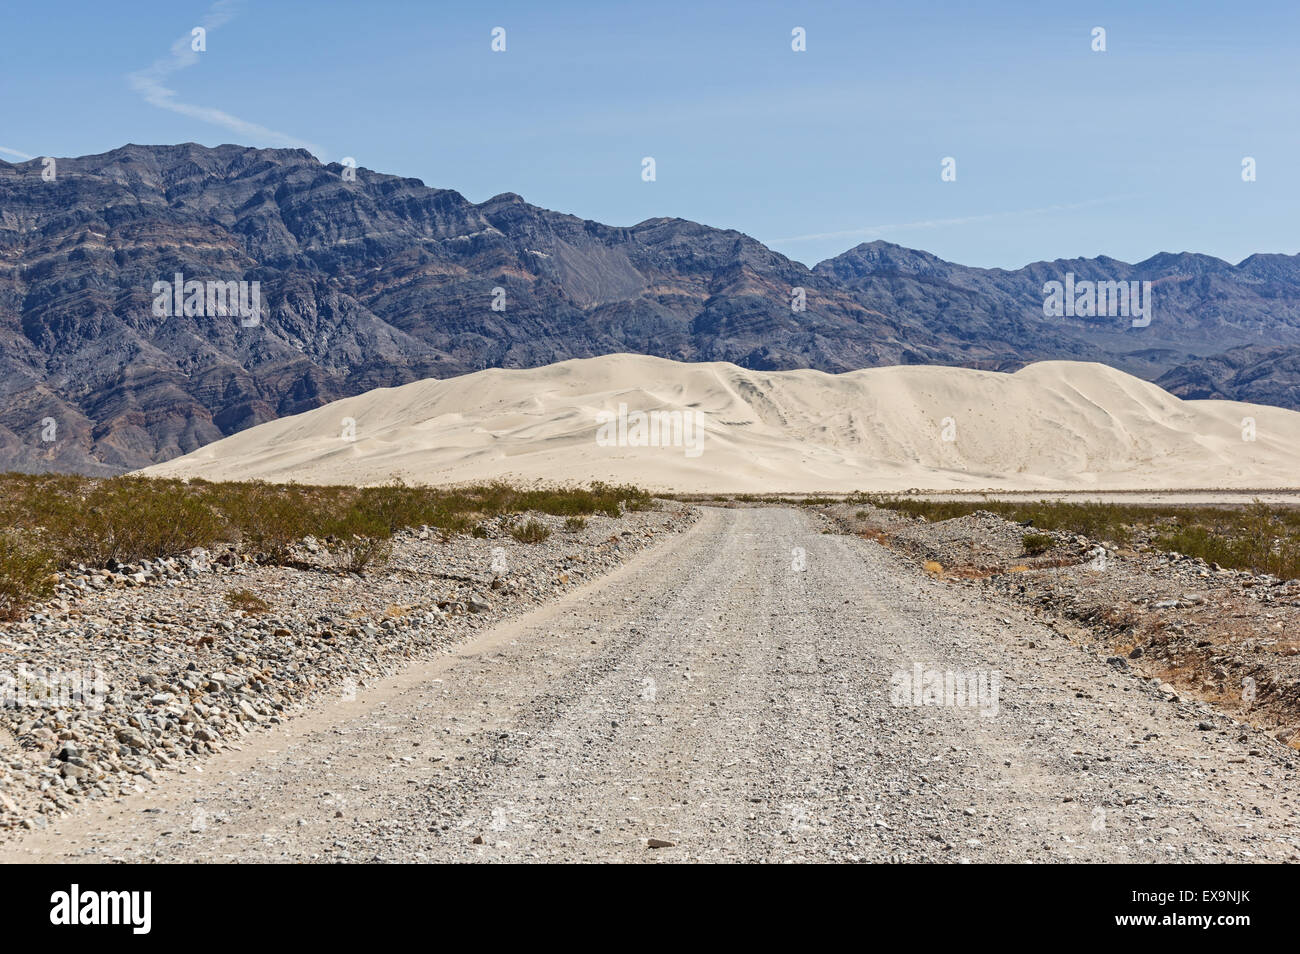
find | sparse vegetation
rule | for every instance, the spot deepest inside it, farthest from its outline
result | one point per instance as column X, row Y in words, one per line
column 1100, row 520
column 365, row 540
column 534, row 531
column 1036, row 543
column 127, row 519
column 58, row 521
column 248, row 601
column 574, row 524
column 25, row 574
column 1258, row 538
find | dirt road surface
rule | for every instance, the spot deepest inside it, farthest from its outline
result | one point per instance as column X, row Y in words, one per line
column 741, row 692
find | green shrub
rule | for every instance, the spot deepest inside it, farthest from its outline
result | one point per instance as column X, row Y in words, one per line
column 271, row 520
column 25, row 574
column 130, row 519
column 364, row 541
column 534, row 531
column 397, row 505
column 95, row 520
column 1258, row 538
column 1037, row 543
column 359, row 554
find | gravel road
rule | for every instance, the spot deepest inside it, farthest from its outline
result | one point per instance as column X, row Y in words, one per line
column 731, row 695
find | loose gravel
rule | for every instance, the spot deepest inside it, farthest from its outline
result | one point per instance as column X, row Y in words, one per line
column 740, row 692
column 137, row 671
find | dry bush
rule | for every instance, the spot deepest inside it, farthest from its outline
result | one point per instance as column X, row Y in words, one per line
column 271, row 519
column 128, row 519
column 26, row 574
column 63, row 520
column 1037, row 543
column 248, row 601
column 365, row 541
column 534, row 531
column 1258, row 538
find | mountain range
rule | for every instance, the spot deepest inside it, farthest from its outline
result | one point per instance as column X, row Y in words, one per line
column 370, row 280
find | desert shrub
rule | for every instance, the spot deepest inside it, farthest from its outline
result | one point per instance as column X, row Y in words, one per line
column 270, row 520
column 357, row 554
column 129, row 519
column 1258, row 539
column 456, row 523
column 248, row 601
column 600, row 497
column 1101, row 520
column 574, row 524
column 1036, row 543
column 26, row 574
column 397, row 505
column 534, row 531
column 365, row 541
column 96, row 520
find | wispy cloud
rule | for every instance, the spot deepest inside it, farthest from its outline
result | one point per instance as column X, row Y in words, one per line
column 14, row 152
column 149, row 83
column 878, row 230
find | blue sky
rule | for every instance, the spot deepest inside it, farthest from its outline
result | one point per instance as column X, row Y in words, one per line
column 1060, row 151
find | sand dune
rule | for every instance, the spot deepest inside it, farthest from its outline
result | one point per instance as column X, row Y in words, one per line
column 1052, row 425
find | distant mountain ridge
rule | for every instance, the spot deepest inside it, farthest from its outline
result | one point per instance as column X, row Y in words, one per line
column 381, row 281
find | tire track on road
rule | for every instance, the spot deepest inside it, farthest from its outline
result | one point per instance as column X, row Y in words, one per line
column 729, row 692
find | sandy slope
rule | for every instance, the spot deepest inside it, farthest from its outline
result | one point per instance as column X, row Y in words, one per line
column 1055, row 424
